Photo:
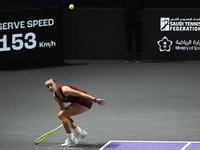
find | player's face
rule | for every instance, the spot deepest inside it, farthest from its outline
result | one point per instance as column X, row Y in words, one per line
column 51, row 85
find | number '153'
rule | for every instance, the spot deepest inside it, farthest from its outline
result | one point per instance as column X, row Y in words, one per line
column 18, row 43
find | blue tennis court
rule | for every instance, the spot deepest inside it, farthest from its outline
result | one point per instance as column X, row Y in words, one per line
column 150, row 145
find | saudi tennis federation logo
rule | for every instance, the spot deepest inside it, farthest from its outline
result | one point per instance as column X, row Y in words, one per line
column 164, row 44
column 164, row 24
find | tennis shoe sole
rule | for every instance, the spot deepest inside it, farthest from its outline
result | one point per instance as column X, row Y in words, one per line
column 81, row 135
column 69, row 143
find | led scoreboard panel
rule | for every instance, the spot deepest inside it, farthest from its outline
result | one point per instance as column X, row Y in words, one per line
column 29, row 35
column 172, row 33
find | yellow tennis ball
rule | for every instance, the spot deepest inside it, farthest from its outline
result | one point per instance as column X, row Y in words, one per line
column 71, row 6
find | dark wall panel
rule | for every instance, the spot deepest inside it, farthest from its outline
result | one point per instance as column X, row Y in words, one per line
column 99, row 34
column 173, row 3
column 94, row 34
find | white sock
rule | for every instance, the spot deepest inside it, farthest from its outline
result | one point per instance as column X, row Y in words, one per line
column 71, row 136
column 78, row 130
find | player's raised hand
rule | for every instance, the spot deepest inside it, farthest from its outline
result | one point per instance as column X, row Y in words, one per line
column 101, row 102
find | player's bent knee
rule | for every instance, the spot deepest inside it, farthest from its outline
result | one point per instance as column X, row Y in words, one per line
column 61, row 114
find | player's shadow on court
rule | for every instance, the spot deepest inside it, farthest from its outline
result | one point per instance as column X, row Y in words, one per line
column 48, row 144
column 81, row 145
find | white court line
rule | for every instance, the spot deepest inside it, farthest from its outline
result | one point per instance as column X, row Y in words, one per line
column 186, row 146
column 105, row 145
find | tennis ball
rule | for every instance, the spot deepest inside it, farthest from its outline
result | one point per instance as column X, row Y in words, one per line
column 71, row 6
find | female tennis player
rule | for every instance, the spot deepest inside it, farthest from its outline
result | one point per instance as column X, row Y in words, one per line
column 80, row 102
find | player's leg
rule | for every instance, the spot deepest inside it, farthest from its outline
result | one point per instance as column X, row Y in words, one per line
column 71, row 110
column 68, row 123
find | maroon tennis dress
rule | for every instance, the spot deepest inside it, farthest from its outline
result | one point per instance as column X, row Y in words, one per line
column 73, row 99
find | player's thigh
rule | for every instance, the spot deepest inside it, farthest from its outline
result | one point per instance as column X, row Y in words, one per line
column 74, row 109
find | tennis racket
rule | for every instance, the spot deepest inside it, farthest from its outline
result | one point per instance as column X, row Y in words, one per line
column 46, row 135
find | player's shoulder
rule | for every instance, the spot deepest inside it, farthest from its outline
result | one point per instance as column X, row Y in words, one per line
column 65, row 88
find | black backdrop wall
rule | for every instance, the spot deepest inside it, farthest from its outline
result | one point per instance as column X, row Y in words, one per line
column 94, row 29
column 149, row 3
column 94, row 33
column 109, row 3
column 173, row 3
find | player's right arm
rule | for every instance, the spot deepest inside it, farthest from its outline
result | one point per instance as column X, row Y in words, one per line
column 60, row 103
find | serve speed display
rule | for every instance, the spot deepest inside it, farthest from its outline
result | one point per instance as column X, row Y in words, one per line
column 31, row 37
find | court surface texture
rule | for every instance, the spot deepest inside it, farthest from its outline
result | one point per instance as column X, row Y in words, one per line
column 150, row 101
